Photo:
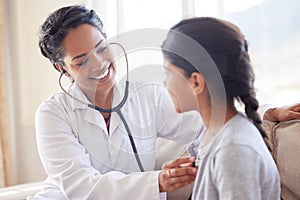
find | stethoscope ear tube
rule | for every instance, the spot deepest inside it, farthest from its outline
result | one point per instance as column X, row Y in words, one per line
column 126, row 58
column 116, row 109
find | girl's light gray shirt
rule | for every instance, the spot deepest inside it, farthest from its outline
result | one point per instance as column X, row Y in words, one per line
column 236, row 164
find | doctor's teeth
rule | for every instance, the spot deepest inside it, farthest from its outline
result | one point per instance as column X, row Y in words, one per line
column 102, row 75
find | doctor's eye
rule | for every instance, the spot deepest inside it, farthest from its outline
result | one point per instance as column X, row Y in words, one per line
column 101, row 49
column 82, row 63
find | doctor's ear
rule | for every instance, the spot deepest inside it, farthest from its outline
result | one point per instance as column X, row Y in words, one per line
column 197, row 83
column 59, row 67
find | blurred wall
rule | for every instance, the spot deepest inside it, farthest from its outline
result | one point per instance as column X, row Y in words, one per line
column 30, row 79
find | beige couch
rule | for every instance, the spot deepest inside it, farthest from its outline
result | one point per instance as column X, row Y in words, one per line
column 284, row 139
column 19, row 192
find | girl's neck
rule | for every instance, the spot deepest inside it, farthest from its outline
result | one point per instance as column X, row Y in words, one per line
column 219, row 119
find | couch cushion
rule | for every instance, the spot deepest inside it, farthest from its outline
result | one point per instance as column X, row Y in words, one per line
column 284, row 139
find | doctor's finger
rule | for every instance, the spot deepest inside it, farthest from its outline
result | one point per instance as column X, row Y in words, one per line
column 294, row 115
column 181, row 179
column 176, row 163
column 178, row 185
column 176, row 172
column 296, row 107
column 169, row 177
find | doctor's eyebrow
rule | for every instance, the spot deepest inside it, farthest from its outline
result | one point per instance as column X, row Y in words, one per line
column 84, row 54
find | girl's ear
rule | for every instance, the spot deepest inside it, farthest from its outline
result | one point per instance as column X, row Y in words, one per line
column 197, row 83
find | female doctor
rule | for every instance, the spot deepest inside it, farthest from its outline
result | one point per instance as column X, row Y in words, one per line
column 87, row 154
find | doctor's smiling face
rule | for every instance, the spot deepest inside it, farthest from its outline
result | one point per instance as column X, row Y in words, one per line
column 88, row 59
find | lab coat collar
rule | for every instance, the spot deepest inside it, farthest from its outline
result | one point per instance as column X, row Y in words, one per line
column 76, row 92
column 118, row 94
column 90, row 115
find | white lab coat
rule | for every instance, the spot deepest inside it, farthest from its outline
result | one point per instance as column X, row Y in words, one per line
column 84, row 161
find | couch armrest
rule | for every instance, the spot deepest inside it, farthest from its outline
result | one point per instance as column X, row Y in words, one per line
column 284, row 139
column 19, row 192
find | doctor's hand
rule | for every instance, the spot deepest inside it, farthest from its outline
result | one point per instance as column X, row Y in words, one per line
column 176, row 174
column 284, row 113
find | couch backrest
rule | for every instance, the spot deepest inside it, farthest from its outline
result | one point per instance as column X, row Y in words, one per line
column 284, row 140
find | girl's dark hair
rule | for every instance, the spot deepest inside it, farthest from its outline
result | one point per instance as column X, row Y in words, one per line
column 56, row 27
column 228, row 48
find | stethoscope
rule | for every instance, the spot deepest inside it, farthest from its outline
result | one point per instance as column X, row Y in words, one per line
column 116, row 109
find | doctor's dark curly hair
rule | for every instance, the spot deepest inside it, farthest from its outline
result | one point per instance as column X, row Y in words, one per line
column 54, row 30
column 228, row 49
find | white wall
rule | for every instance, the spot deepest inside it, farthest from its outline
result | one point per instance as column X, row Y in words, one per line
column 30, row 79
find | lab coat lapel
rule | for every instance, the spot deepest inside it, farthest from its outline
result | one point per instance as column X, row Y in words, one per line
column 94, row 117
column 91, row 128
column 76, row 92
column 90, row 115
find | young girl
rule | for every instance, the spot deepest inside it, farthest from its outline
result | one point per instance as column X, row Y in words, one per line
column 234, row 161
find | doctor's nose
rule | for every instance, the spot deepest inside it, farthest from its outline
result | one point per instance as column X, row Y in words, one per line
column 98, row 62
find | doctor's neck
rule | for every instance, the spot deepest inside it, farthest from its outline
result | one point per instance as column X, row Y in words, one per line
column 101, row 99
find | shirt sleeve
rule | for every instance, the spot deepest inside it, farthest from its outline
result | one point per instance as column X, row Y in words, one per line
column 236, row 173
column 67, row 162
